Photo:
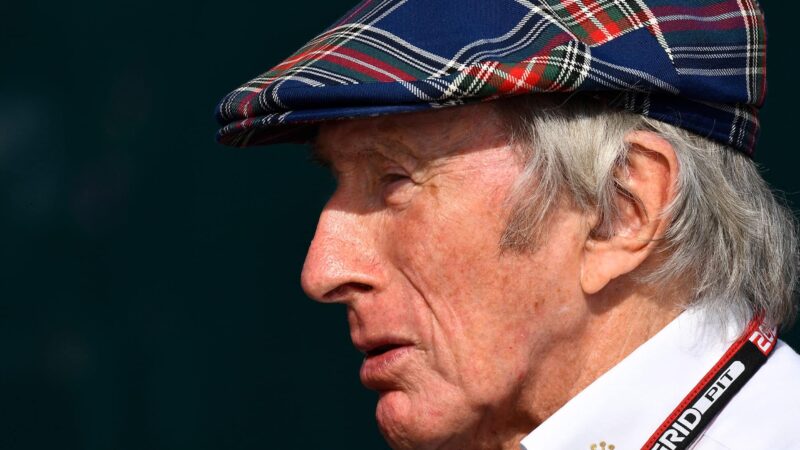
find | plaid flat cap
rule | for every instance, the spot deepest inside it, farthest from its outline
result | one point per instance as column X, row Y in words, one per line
column 697, row 64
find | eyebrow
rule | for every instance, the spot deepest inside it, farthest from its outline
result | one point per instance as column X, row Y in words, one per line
column 397, row 146
column 321, row 156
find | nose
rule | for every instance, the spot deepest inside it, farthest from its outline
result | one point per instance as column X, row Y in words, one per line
column 342, row 262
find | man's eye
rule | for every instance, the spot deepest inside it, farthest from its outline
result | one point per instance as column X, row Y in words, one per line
column 396, row 187
column 394, row 177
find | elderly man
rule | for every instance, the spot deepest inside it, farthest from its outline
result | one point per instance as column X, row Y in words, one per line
column 547, row 230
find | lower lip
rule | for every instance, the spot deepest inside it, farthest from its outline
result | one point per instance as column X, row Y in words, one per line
column 378, row 371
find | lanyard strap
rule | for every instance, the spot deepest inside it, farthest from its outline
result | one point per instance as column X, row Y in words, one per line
column 715, row 390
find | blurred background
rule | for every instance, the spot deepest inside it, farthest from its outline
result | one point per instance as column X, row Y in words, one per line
column 150, row 277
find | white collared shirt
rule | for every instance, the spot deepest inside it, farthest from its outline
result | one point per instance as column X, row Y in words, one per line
column 626, row 405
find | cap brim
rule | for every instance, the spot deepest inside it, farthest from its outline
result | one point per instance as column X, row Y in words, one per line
column 300, row 126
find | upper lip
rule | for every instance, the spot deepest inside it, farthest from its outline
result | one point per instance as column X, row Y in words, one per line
column 376, row 346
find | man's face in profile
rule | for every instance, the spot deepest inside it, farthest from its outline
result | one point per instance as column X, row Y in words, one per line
column 458, row 333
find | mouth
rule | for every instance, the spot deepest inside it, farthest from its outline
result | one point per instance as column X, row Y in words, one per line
column 373, row 346
column 381, row 349
column 382, row 366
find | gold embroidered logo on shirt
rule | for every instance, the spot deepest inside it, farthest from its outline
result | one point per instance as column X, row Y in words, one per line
column 602, row 446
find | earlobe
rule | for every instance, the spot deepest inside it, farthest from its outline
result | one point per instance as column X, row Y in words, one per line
column 647, row 181
column 594, row 276
column 607, row 259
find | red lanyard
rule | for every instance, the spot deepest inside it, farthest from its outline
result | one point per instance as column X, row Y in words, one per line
column 715, row 390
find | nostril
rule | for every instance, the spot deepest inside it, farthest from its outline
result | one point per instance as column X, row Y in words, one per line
column 343, row 290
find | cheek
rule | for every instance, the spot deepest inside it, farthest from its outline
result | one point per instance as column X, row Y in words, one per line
column 451, row 231
column 447, row 253
column 447, row 250
column 475, row 303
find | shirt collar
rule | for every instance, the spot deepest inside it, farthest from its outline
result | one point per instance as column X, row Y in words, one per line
column 625, row 406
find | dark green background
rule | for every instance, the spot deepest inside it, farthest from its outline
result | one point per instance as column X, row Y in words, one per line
column 150, row 277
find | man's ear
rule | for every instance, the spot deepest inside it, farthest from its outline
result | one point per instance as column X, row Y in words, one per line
column 648, row 177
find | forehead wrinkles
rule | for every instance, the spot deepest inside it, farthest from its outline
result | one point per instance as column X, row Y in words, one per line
column 422, row 136
column 449, row 132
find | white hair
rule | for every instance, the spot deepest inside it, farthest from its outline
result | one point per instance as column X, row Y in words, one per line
column 727, row 236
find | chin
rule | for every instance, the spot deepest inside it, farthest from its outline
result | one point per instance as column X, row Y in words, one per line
column 407, row 423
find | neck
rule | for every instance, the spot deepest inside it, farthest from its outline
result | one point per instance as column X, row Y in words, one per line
column 608, row 326
column 601, row 331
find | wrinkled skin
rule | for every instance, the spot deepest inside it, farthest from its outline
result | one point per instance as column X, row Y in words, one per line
column 491, row 341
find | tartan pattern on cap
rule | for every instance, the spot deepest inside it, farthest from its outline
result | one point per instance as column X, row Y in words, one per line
column 596, row 22
column 698, row 64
